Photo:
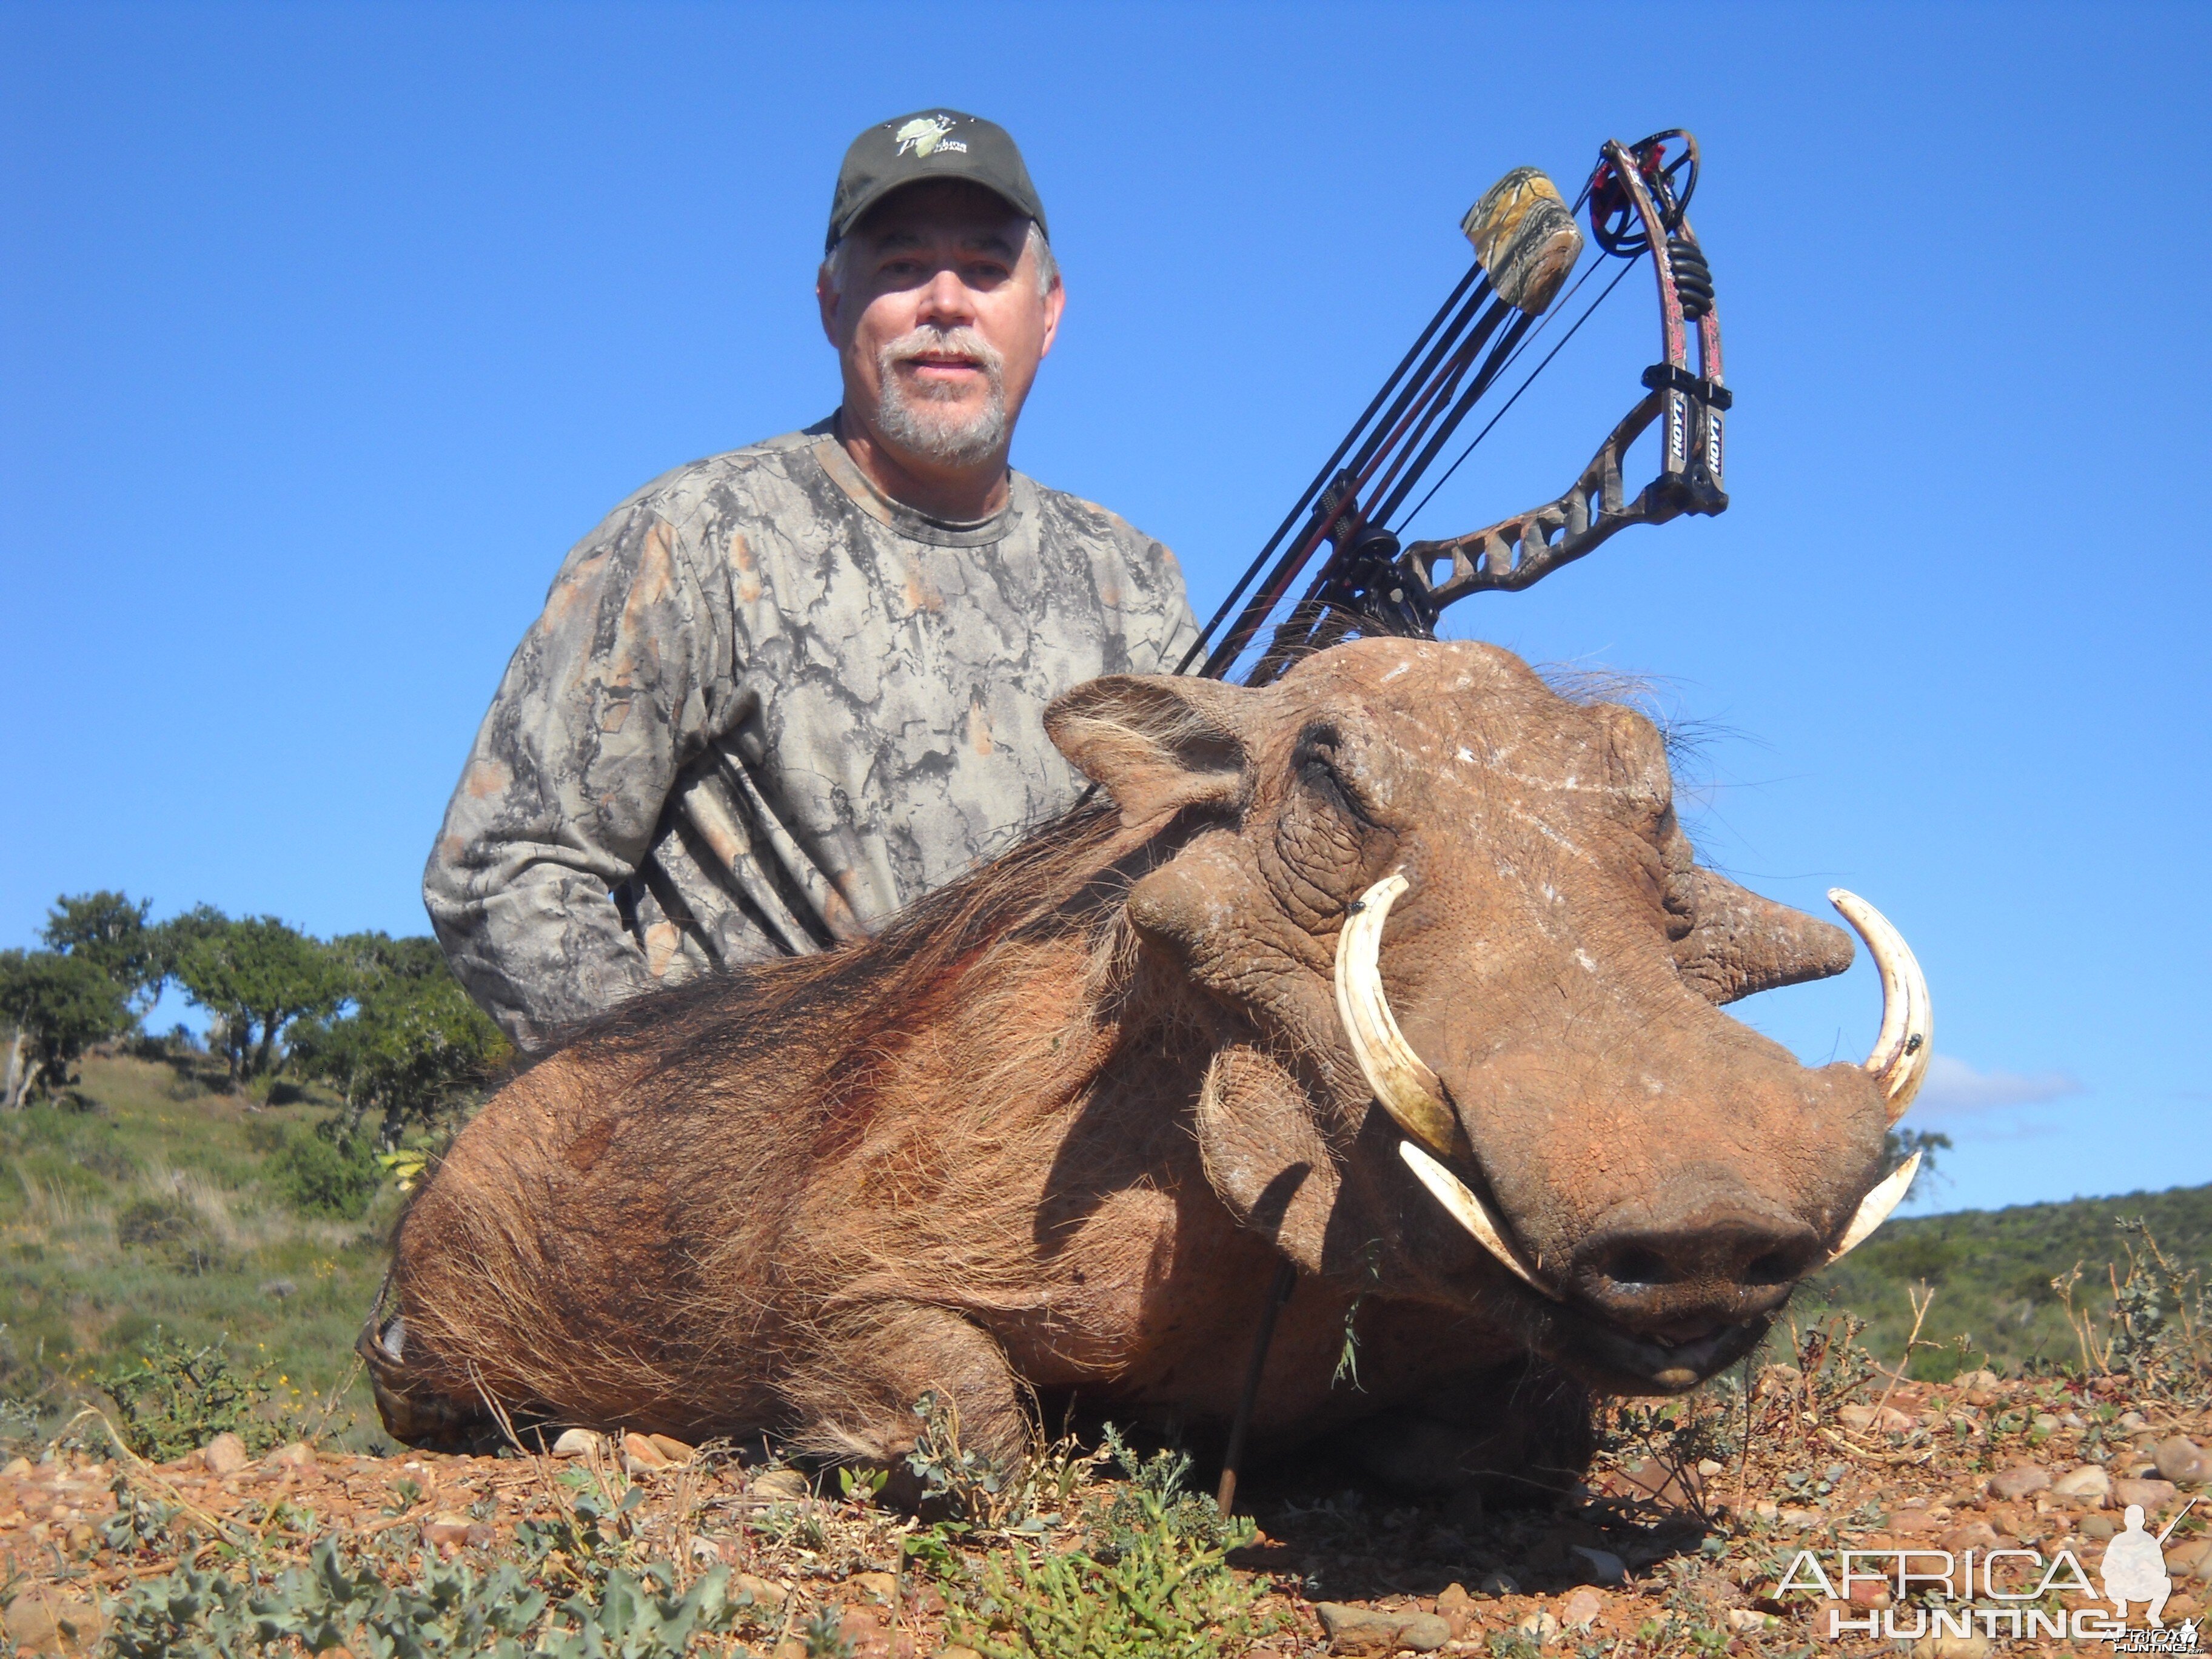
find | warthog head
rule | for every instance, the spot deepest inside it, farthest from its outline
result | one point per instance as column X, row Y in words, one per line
column 1464, row 985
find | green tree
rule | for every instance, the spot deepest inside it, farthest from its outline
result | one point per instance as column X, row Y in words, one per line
column 60, row 1004
column 1900, row 1143
column 256, row 975
column 108, row 929
column 409, row 1045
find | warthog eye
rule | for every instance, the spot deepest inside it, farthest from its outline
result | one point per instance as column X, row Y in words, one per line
column 1314, row 761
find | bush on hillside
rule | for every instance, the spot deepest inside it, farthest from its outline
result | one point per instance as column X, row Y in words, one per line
column 320, row 1171
column 172, row 1398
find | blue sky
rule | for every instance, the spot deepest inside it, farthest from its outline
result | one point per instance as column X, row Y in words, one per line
column 324, row 330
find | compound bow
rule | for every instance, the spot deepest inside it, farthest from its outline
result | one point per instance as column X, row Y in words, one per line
column 1526, row 243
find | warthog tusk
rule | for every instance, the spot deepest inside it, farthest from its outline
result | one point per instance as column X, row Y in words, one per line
column 1408, row 1089
column 1875, row 1207
column 1469, row 1211
column 1907, row 1041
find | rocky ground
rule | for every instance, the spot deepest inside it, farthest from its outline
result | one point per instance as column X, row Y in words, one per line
column 1678, row 1543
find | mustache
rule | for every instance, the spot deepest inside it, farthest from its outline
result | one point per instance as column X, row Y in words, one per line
column 928, row 342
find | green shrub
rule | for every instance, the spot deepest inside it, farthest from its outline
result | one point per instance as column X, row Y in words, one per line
column 173, row 1398
column 319, row 1173
column 176, row 1230
column 1152, row 1583
column 446, row 1610
column 151, row 1223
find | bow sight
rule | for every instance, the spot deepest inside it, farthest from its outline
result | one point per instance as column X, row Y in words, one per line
column 1525, row 244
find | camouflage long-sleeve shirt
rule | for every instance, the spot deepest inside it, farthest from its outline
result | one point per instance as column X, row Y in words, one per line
column 765, row 708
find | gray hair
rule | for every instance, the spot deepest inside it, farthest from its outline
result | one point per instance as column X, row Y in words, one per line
column 1048, row 268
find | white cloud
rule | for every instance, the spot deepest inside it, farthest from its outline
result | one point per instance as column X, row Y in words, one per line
column 1953, row 1085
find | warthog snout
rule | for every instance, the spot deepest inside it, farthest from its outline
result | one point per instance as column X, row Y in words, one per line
column 1679, row 1273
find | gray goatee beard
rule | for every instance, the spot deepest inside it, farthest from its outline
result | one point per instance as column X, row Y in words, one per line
column 927, row 419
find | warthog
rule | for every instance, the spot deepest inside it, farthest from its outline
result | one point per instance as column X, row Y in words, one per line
column 1400, row 969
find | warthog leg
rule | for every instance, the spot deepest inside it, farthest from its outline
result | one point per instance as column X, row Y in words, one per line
column 853, row 1397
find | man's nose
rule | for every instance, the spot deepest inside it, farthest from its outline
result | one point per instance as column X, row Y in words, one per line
column 946, row 301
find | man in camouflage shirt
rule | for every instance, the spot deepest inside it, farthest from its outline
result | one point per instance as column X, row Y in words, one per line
column 780, row 693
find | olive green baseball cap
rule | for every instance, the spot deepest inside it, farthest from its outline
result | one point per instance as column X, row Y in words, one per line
column 931, row 143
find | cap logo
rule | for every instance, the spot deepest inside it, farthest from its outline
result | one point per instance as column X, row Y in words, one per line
column 926, row 133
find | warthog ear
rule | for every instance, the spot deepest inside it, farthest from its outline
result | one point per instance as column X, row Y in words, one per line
column 1157, row 744
column 1741, row 944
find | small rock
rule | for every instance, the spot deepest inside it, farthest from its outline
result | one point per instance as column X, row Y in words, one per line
column 1800, row 1520
column 1911, row 1521
column 224, row 1455
column 2182, row 1460
column 673, row 1450
column 2045, row 1422
column 765, row 1593
column 2132, row 1421
column 2088, row 1484
column 2017, row 1483
column 1424, row 1632
column 640, row 1453
column 2153, row 1495
column 882, row 1586
column 2192, row 1559
column 1497, row 1583
column 1654, row 1481
column 1868, row 1593
column 578, row 1442
column 480, row 1536
column 1542, row 1626
column 298, row 1454
column 2098, row 1526
column 441, row 1529
column 1766, row 1510
column 39, row 1621
column 1708, row 1468
column 1952, row 1647
column 1369, row 1629
column 1580, row 1609
column 17, row 1468
column 784, row 1486
column 1750, row 1619
column 1603, row 1567
column 1456, row 1608
column 1973, row 1536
